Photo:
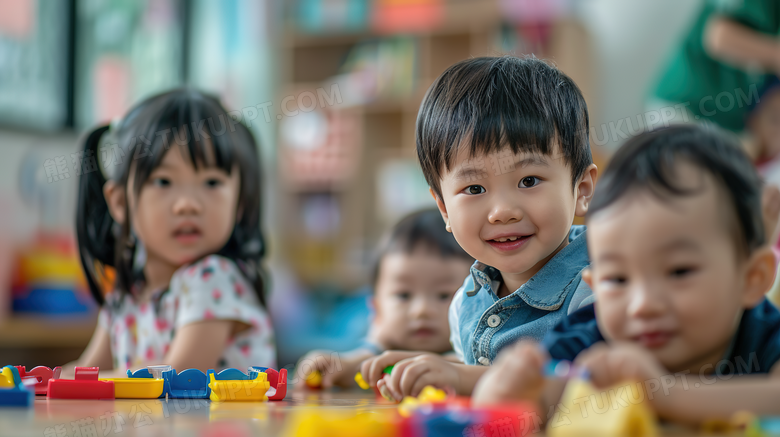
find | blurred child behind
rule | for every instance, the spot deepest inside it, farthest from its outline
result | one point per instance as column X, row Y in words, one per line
column 418, row 268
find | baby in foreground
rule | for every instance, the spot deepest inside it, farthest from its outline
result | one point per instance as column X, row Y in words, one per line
column 679, row 269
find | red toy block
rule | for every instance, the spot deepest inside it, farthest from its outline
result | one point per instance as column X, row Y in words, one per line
column 84, row 386
column 278, row 380
column 41, row 375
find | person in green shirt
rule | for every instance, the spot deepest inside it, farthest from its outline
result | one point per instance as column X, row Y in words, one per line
column 719, row 69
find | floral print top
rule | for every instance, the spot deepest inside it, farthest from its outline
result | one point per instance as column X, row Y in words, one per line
column 210, row 289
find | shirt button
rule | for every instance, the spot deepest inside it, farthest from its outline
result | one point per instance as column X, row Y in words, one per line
column 484, row 361
column 494, row 321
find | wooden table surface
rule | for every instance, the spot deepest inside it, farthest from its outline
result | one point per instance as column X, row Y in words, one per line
column 176, row 417
column 179, row 417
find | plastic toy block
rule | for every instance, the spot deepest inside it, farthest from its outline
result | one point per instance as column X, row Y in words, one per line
column 9, row 379
column 623, row 418
column 85, row 386
column 137, row 388
column 361, row 382
column 327, row 423
column 191, row 383
column 277, row 380
column 40, row 376
column 12, row 392
column 314, row 380
column 223, row 390
column 456, row 416
column 428, row 395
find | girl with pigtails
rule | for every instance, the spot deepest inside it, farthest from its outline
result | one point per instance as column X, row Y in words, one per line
column 179, row 223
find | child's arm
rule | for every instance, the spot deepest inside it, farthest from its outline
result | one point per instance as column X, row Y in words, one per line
column 710, row 397
column 733, row 42
column 199, row 345
column 517, row 375
column 684, row 398
column 97, row 354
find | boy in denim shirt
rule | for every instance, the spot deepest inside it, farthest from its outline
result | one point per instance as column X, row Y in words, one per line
column 503, row 143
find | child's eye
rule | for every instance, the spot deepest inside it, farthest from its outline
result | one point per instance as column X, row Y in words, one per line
column 681, row 272
column 616, row 280
column 212, row 183
column 474, row 189
column 404, row 295
column 444, row 296
column 161, row 182
column 529, row 181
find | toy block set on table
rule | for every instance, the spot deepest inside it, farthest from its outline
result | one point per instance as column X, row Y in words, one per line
column 18, row 387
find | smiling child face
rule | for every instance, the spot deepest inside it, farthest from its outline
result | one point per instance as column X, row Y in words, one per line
column 510, row 211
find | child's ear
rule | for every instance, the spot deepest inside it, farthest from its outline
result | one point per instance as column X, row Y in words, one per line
column 585, row 189
column 115, row 199
column 759, row 276
column 440, row 204
column 587, row 276
column 372, row 306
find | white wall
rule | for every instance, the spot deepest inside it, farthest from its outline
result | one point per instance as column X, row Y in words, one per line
column 632, row 40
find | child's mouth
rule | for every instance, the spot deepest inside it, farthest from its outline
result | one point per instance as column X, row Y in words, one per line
column 509, row 243
column 423, row 332
column 187, row 235
column 653, row 340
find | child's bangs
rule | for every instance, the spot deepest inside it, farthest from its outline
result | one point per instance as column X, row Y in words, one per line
column 491, row 117
column 201, row 129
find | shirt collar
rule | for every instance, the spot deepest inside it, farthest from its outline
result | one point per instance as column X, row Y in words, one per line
column 546, row 290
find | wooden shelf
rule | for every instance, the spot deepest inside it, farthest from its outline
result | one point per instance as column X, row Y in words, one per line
column 23, row 331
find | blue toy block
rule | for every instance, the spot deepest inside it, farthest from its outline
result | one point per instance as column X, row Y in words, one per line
column 12, row 392
column 232, row 374
column 189, row 384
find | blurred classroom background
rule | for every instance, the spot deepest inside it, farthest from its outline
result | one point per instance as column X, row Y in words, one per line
column 331, row 90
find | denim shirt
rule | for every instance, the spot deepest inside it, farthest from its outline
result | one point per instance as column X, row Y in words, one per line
column 481, row 324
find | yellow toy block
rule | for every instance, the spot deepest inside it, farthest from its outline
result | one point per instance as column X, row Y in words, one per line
column 7, row 378
column 137, row 388
column 314, row 379
column 361, row 382
column 328, row 423
column 609, row 416
column 239, row 390
column 428, row 395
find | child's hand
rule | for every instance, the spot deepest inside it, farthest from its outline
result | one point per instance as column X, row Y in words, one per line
column 516, row 375
column 336, row 369
column 620, row 362
column 411, row 375
column 372, row 368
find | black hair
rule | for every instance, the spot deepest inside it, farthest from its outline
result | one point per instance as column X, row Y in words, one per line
column 423, row 229
column 648, row 160
column 497, row 102
column 185, row 118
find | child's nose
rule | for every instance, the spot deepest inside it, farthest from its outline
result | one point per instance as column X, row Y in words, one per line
column 421, row 308
column 186, row 203
column 645, row 302
column 505, row 212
